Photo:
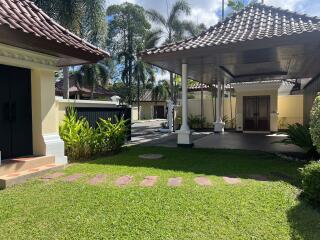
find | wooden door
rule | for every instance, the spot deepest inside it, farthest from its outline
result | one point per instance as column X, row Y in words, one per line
column 257, row 113
column 16, row 114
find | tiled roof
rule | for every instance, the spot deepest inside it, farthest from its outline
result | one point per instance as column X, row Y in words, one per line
column 257, row 21
column 75, row 88
column 25, row 16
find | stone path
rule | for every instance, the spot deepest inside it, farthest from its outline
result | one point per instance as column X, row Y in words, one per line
column 203, row 181
column 73, row 177
column 232, row 180
column 175, row 182
column 98, row 179
column 124, row 180
column 148, row 181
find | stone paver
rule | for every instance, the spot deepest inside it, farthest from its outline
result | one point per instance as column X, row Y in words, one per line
column 124, row 180
column 151, row 156
column 52, row 176
column 259, row 177
column 74, row 177
column 175, row 182
column 98, row 179
column 232, row 180
column 203, row 181
column 149, row 181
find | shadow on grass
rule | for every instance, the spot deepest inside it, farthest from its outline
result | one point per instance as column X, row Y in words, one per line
column 240, row 163
column 304, row 222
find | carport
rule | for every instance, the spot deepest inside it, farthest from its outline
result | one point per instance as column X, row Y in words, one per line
column 259, row 44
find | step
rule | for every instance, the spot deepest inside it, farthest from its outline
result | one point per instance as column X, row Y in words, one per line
column 19, row 177
column 23, row 164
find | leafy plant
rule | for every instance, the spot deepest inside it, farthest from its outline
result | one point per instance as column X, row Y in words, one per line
column 195, row 122
column 311, row 182
column 299, row 135
column 82, row 141
column 112, row 136
column 315, row 123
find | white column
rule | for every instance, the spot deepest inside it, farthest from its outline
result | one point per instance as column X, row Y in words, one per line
column 184, row 134
column 219, row 125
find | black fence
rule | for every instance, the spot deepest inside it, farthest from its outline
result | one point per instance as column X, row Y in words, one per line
column 94, row 114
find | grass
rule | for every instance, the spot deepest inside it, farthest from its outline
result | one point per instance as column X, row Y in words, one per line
column 251, row 210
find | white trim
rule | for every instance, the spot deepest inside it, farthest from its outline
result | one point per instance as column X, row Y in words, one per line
column 25, row 58
column 55, row 147
column 261, row 86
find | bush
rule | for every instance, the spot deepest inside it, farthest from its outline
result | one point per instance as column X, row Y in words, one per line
column 195, row 122
column 299, row 135
column 82, row 141
column 311, row 182
column 315, row 123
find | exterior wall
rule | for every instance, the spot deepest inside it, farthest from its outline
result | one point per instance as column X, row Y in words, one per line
column 46, row 140
column 147, row 109
column 290, row 110
column 134, row 114
column 309, row 94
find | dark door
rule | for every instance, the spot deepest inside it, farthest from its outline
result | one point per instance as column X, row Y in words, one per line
column 15, row 114
column 159, row 112
column 257, row 113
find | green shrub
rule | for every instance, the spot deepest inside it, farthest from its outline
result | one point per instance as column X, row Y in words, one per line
column 299, row 135
column 82, row 141
column 315, row 122
column 77, row 135
column 113, row 136
column 311, row 182
column 195, row 122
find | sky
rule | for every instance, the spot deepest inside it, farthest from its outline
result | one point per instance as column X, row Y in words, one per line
column 209, row 11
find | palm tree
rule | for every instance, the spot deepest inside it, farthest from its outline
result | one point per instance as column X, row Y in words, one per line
column 173, row 27
column 238, row 5
column 160, row 91
column 84, row 18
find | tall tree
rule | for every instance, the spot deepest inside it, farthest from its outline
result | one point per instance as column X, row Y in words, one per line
column 238, row 5
column 173, row 27
column 128, row 27
column 85, row 18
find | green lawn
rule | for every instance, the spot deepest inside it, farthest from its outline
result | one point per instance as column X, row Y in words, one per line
column 250, row 210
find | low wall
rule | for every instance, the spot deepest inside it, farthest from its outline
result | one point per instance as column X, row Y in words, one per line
column 62, row 104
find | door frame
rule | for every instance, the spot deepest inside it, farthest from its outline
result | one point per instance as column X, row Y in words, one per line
column 257, row 112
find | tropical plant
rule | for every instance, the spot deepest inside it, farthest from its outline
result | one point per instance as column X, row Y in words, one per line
column 82, row 141
column 128, row 28
column 310, row 176
column 315, row 123
column 160, row 91
column 84, row 18
column 238, row 5
column 299, row 135
column 174, row 28
column 196, row 122
column 114, row 135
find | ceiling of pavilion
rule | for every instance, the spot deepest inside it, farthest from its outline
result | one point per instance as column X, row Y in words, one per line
column 258, row 43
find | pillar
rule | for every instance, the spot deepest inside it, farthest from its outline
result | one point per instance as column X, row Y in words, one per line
column 219, row 124
column 184, row 134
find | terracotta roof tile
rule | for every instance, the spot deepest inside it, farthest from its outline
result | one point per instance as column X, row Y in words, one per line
column 24, row 15
column 257, row 21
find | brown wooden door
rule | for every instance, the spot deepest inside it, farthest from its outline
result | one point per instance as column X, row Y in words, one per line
column 257, row 113
column 158, row 112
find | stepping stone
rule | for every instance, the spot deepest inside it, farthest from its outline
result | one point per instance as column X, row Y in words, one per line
column 175, row 182
column 203, row 181
column 149, row 181
column 124, row 180
column 73, row 177
column 99, row 178
column 259, row 177
column 232, row 180
column 151, row 156
column 52, row 176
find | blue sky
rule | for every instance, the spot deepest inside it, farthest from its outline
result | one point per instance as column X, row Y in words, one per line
column 209, row 11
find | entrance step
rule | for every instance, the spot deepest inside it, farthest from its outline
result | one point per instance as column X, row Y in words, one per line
column 25, row 163
column 19, row 177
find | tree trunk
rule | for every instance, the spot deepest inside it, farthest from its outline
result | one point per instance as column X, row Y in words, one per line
column 66, row 83
column 92, row 89
column 138, row 99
